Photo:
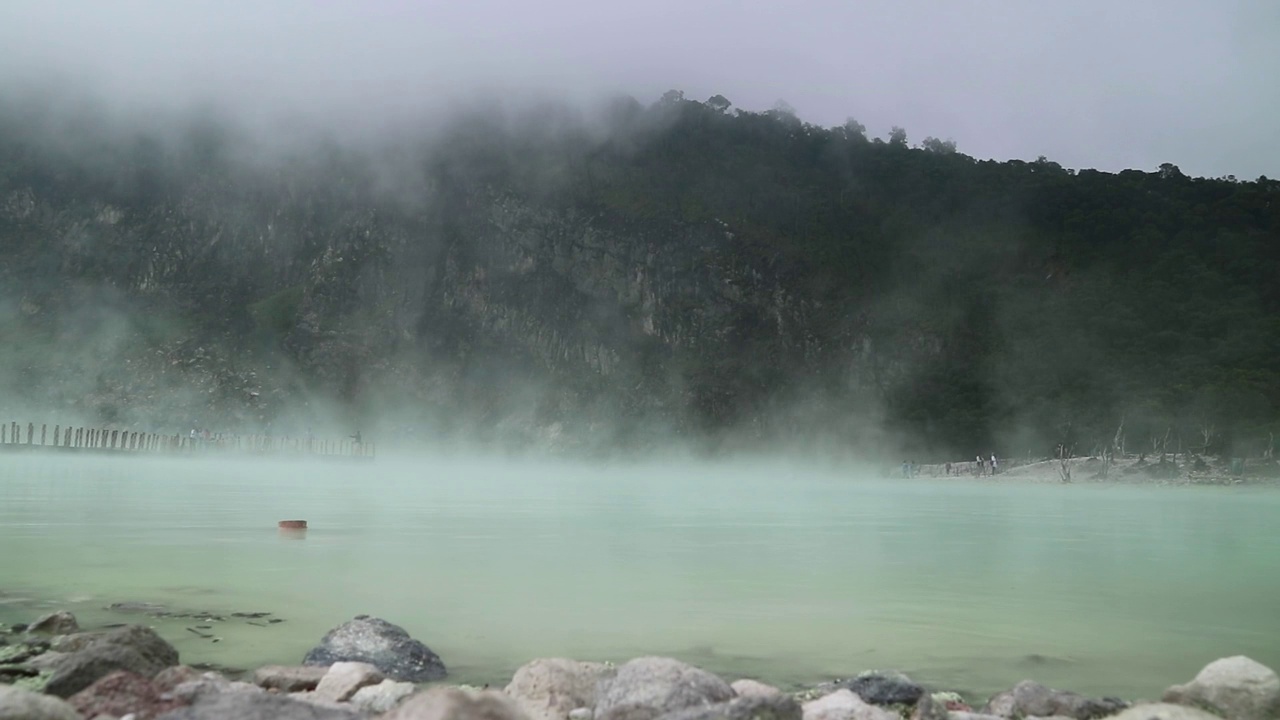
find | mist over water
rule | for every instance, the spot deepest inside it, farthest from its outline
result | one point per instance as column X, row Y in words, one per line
column 774, row 569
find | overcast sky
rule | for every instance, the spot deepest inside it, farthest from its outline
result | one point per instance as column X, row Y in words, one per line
column 1107, row 84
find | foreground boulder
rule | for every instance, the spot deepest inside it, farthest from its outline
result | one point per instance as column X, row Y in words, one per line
column 844, row 704
column 753, row 688
column 1164, row 711
column 382, row 697
column 1236, row 688
column 255, row 706
column 551, row 688
column 447, row 703
column 648, row 687
column 289, row 678
column 1031, row 698
column 344, row 679
column 379, row 643
column 769, row 707
column 19, row 704
column 134, row 648
column 122, row 693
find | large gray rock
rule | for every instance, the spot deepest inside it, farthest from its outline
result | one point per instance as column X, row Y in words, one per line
column 844, row 704
column 134, row 648
column 55, row 623
column 647, row 687
column 385, row 646
column 771, row 707
column 255, row 706
column 1029, row 698
column 551, row 688
column 448, row 703
column 1237, row 688
column 19, row 704
column 1163, row 711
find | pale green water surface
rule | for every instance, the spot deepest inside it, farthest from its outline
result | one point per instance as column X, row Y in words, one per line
column 766, row 570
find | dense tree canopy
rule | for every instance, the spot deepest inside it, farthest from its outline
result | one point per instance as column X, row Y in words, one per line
column 715, row 270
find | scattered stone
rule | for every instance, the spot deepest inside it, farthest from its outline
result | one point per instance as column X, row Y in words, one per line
column 134, row 648
column 1237, row 688
column 345, row 678
column 255, row 706
column 136, row 607
column 21, row 704
column 753, row 688
column 122, row 693
column 581, row 714
column 211, row 683
column 928, row 708
column 844, row 704
column 773, row 707
column 382, row 697
column 1164, row 711
column 171, row 677
column 1031, row 698
column 447, row 703
column 251, row 615
column 884, row 688
column 552, row 688
column 647, row 687
column 56, row 623
column 289, row 678
column 974, row 716
column 22, row 652
column 381, row 644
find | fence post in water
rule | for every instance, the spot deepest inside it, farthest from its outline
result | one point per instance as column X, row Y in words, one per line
column 56, row 436
column 4, row 432
column 44, row 432
column 31, row 433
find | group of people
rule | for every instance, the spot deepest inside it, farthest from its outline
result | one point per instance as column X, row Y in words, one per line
column 980, row 467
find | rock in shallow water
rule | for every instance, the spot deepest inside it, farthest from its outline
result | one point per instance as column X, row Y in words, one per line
column 843, row 704
column 19, row 704
column 647, row 687
column 381, row 644
column 57, row 623
column 447, row 703
column 1238, row 688
column 753, row 688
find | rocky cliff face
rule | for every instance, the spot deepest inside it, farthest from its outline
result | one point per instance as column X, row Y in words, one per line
column 221, row 299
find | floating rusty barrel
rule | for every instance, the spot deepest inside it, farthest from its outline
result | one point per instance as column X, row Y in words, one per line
column 293, row 524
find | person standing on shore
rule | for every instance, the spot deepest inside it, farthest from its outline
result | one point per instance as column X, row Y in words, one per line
column 994, row 466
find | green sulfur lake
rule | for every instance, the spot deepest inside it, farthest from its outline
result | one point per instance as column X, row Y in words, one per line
column 788, row 572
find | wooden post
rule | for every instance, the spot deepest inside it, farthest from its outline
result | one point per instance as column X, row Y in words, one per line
column 56, row 436
column 4, row 432
column 31, row 433
column 44, row 432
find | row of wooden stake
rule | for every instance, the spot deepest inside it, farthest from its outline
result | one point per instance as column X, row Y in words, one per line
column 104, row 439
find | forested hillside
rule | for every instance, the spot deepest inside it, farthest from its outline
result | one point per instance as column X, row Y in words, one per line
column 623, row 278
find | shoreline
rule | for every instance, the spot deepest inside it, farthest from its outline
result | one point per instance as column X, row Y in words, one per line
column 367, row 667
